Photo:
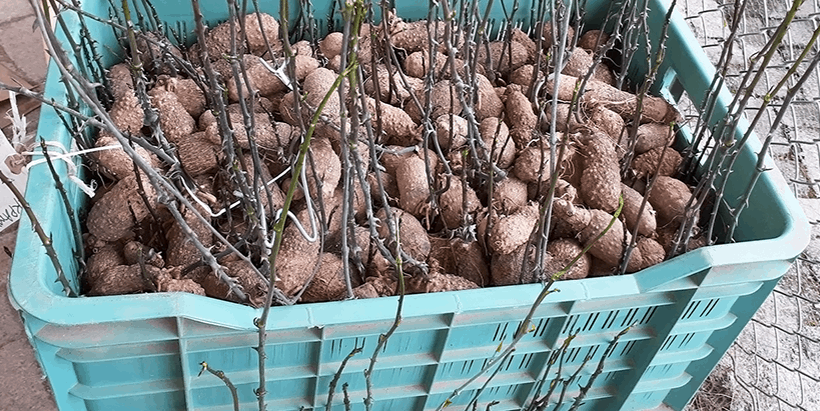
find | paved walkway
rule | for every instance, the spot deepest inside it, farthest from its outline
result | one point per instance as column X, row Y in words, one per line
column 22, row 386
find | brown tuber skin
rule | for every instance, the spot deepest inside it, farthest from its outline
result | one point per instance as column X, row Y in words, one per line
column 489, row 104
column 126, row 112
column 519, row 36
column 588, row 224
column 329, row 283
column 600, row 178
column 394, row 156
column 328, row 168
column 452, row 203
column 413, row 36
column 632, row 203
column 451, row 137
column 511, row 231
column 174, row 119
column 331, row 45
column 444, row 100
column 316, row 85
column 439, row 282
column 460, row 258
column 668, row 234
column 198, row 154
column 497, row 142
column 503, row 59
column 509, row 195
column 505, row 269
column 102, row 259
column 124, row 279
column 530, row 161
column 470, row 262
column 519, row 110
column 563, row 189
column 523, row 137
column 597, row 93
column 181, row 250
column 579, row 63
column 608, row 122
column 592, row 40
column 417, row 64
column 414, row 188
column 112, row 217
column 652, row 135
column 391, row 188
column 399, row 93
column 414, row 240
column 116, row 163
column 647, row 163
column 396, row 124
column 549, row 37
column 669, row 196
column 166, row 284
column 651, row 252
column 522, row 76
column 565, row 120
column 256, row 33
column 366, row 290
column 297, row 257
column 133, row 250
column 187, row 92
column 252, row 285
column 302, row 48
column 264, row 133
column 561, row 253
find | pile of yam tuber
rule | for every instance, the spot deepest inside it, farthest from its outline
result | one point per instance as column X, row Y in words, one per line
column 448, row 156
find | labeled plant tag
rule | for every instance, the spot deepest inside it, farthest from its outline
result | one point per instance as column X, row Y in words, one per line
column 13, row 166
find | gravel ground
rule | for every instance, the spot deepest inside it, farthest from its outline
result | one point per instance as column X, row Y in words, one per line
column 775, row 362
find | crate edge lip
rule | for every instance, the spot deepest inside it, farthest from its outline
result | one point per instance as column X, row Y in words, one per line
column 32, row 298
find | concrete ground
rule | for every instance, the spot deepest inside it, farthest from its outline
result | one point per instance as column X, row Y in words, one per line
column 22, row 385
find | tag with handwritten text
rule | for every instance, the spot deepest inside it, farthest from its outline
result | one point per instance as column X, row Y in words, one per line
column 10, row 209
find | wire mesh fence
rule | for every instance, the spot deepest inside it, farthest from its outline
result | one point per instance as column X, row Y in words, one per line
column 775, row 362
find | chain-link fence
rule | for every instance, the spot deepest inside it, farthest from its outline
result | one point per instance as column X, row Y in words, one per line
column 775, row 362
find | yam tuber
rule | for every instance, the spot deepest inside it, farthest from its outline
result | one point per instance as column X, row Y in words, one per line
column 511, row 231
column 647, row 163
column 669, row 196
column 297, row 257
column 592, row 40
column 414, row 188
column 414, row 240
column 451, row 131
column 115, row 215
column 589, row 224
column 509, row 195
column 453, row 200
column 518, row 109
column 645, row 221
column 652, row 135
column 500, row 148
column 329, row 282
column 561, row 253
column 600, row 178
column 597, row 93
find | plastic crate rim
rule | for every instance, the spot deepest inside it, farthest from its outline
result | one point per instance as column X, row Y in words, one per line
column 27, row 295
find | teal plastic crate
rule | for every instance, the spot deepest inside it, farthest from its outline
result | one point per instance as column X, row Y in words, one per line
column 142, row 352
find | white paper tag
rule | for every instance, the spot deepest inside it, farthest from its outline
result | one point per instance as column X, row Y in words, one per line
column 12, row 165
